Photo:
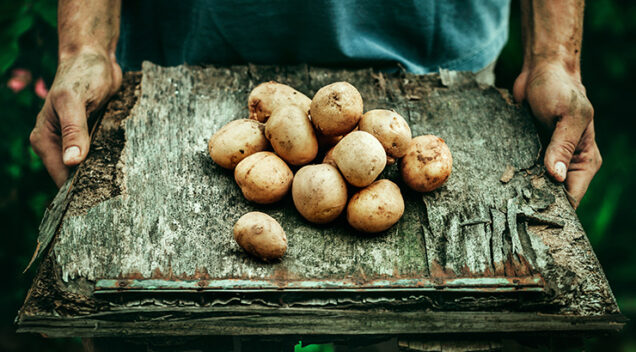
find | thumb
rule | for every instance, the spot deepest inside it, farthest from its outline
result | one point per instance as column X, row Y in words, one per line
column 565, row 138
column 74, row 129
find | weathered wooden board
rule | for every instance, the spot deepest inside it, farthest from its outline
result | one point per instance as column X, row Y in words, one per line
column 176, row 215
column 151, row 215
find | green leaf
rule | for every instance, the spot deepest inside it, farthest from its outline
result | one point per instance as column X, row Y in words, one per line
column 18, row 26
column 9, row 36
column 314, row 348
column 47, row 10
column 8, row 54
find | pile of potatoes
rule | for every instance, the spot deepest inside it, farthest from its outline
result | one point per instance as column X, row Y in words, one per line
column 286, row 128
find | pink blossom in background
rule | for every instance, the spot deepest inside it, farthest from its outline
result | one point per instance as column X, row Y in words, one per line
column 19, row 79
column 40, row 88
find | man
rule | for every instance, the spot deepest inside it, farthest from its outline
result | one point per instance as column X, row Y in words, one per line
column 419, row 35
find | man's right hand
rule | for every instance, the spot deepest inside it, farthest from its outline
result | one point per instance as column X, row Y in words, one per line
column 83, row 83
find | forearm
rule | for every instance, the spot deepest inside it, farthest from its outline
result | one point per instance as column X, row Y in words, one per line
column 88, row 25
column 552, row 32
column 550, row 82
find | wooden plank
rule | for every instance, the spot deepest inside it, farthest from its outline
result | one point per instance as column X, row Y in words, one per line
column 152, row 214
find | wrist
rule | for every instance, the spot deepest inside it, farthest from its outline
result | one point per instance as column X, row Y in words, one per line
column 553, row 61
column 70, row 51
column 558, row 55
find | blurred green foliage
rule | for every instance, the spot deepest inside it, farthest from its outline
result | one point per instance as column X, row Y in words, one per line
column 28, row 41
column 314, row 348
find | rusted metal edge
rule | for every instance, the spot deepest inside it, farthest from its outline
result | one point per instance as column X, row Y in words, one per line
column 474, row 284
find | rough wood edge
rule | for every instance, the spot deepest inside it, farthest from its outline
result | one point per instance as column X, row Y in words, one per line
column 293, row 321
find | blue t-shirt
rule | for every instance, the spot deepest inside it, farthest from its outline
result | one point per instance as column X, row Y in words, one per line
column 420, row 35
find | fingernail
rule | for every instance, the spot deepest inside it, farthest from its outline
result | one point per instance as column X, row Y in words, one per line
column 71, row 153
column 560, row 169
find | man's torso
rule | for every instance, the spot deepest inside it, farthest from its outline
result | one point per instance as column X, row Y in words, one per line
column 419, row 35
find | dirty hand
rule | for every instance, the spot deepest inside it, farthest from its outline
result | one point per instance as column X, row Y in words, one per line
column 83, row 83
column 559, row 102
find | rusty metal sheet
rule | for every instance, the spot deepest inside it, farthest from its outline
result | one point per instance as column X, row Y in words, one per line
column 482, row 284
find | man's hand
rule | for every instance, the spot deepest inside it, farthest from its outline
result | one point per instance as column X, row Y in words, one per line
column 559, row 103
column 550, row 82
column 87, row 75
column 83, row 83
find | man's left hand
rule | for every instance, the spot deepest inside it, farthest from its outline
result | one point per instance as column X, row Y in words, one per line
column 558, row 101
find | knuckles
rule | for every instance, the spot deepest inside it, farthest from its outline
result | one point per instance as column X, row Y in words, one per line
column 564, row 147
column 60, row 96
column 70, row 130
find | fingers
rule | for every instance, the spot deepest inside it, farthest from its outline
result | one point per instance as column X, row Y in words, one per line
column 558, row 101
column 564, row 140
column 566, row 137
column 48, row 145
column 585, row 163
column 52, row 160
column 82, row 83
column 73, row 127
column 577, row 184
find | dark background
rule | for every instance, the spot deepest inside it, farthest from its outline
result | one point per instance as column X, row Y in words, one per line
column 28, row 41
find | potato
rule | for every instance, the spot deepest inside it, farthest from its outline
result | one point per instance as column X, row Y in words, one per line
column 261, row 236
column 319, row 193
column 236, row 141
column 376, row 207
column 389, row 128
column 336, row 109
column 328, row 159
column 292, row 135
column 427, row 164
column 268, row 96
column 360, row 157
column 263, row 177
